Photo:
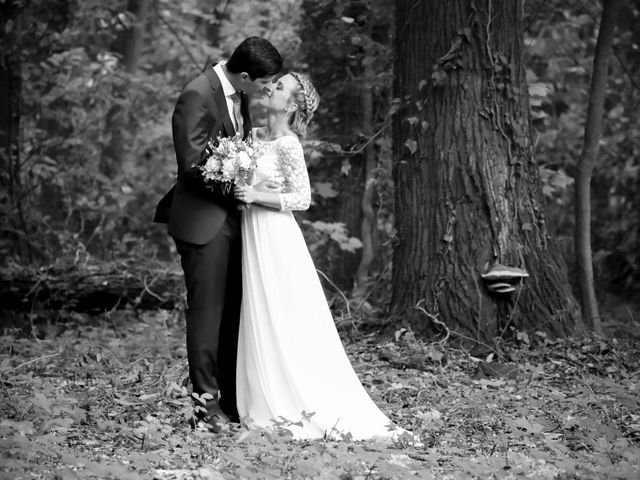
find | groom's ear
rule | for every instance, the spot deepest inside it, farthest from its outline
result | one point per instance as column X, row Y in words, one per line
column 243, row 79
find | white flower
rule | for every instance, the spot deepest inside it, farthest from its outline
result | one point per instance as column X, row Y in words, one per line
column 212, row 167
column 243, row 160
column 228, row 171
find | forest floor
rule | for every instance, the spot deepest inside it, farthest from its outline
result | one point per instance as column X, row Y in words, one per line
column 103, row 397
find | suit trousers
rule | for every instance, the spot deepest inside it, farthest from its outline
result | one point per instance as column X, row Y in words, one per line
column 213, row 277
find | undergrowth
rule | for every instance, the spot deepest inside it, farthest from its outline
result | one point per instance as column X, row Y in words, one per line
column 106, row 397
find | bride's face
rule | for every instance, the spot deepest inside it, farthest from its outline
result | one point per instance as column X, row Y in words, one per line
column 254, row 88
column 281, row 94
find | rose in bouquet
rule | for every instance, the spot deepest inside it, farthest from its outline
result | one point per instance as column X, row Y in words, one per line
column 228, row 162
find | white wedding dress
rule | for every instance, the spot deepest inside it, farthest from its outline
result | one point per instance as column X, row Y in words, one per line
column 291, row 362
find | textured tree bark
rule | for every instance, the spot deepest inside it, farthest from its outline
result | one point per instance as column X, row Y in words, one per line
column 468, row 193
column 593, row 130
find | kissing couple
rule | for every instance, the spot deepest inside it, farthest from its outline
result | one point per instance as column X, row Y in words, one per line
column 261, row 340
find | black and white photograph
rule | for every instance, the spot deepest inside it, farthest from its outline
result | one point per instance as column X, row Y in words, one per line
column 319, row 239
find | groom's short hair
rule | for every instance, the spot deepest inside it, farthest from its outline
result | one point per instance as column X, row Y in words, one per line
column 255, row 56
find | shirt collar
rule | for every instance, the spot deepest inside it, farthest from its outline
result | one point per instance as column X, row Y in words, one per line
column 227, row 88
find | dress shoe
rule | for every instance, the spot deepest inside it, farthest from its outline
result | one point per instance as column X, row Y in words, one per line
column 203, row 424
column 211, row 421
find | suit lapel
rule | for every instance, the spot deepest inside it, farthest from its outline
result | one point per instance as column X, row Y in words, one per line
column 221, row 101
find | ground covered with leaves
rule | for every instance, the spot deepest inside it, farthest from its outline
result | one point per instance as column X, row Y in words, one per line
column 105, row 397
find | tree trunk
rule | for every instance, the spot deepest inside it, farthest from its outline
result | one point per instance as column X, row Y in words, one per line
column 135, row 35
column 349, row 211
column 593, row 130
column 13, row 226
column 368, row 218
column 10, row 86
column 95, row 288
column 116, row 121
column 468, row 192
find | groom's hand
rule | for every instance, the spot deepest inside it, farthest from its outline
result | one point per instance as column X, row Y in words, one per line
column 268, row 186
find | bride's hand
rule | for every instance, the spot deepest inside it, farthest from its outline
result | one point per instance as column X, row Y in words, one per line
column 245, row 194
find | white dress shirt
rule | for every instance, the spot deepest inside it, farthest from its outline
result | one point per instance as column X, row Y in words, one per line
column 228, row 90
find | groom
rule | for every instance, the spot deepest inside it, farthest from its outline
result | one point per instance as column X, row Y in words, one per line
column 205, row 224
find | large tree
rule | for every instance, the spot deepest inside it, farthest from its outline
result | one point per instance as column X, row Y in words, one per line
column 468, row 192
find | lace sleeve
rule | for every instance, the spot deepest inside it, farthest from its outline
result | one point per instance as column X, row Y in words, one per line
column 297, row 191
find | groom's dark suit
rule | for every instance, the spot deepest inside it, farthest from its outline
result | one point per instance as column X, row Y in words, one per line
column 205, row 225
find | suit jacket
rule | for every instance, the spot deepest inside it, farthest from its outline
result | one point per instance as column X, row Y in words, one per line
column 193, row 211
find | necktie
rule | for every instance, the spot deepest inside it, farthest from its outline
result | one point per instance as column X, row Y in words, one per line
column 237, row 114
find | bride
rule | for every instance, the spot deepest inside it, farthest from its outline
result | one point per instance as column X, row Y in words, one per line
column 292, row 369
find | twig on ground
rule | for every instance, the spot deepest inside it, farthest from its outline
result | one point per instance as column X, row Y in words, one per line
column 286, row 464
column 418, row 456
column 372, row 289
column 436, row 320
column 369, row 472
column 29, row 362
column 344, row 297
column 593, row 394
column 9, row 396
column 109, row 315
column 148, row 290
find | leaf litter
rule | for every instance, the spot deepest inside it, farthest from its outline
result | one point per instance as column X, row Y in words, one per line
column 107, row 397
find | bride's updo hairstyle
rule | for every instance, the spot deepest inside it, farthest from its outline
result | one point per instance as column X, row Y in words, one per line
column 307, row 99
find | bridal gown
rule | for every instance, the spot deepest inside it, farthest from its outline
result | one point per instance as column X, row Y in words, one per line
column 291, row 361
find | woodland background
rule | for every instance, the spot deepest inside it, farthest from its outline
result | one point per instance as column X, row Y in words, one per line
column 92, row 360
column 87, row 148
column 94, row 85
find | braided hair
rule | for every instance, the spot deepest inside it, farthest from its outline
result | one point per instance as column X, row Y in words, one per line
column 307, row 99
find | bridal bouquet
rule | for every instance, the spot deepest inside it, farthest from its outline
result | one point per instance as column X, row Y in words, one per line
column 228, row 161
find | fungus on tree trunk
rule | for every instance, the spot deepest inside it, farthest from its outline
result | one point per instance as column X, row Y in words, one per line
column 503, row 279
